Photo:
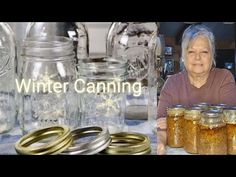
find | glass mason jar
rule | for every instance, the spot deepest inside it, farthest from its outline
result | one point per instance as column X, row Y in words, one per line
column 175, row 131
column 230, row 119
column 136, row 42
column 212, row 135
column 191, row 118
column 76, row 31
column 102, row 95
column 7, row 78
column 47, row 77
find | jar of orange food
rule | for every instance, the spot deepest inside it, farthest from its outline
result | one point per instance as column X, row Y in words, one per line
column 175, row 118
column 230, row 119
column 212, row 135
column 191, row 118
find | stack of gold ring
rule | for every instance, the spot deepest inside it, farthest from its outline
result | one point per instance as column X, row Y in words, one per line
column 125, row 143
column 61, row 143
column 100, row 142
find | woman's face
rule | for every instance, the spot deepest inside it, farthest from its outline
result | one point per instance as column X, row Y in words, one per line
column 198, row 59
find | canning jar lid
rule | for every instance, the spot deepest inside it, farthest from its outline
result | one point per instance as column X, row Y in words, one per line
column 176, row 110
column 212, row 117
column 193, row 113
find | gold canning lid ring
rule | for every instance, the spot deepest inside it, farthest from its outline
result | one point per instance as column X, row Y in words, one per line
column 52, row 151
column 37, row 135
column 35, row 138
column 63, row 132
column 114, row 152
column 128, row 143
column 131, row 140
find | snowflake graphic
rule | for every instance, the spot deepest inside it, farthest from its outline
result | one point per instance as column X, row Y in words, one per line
column 46, row 79
column 109, row 104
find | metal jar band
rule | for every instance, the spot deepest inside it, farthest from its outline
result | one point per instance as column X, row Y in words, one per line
column 56, row 146
column 125, row 143
column 100, row 142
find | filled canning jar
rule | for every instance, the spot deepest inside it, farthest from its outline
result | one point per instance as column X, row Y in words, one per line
column 230, row 119
column 191, row 118
column 212, row 137
column 175, row 118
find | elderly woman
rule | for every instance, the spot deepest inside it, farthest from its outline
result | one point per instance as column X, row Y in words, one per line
column 199, row 82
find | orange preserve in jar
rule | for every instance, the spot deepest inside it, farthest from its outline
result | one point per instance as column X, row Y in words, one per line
column 175, row 118
column 191, row 118
column 212, row 135
column 230, row 119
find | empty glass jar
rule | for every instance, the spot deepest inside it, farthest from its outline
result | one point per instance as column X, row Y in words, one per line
column 7, row 78
column 46, row 83
column 101, row 93
column 136, row 42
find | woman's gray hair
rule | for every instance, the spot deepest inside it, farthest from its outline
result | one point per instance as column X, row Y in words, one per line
column 194, row 31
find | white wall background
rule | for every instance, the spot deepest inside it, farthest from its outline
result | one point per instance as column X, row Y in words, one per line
column 97, row 36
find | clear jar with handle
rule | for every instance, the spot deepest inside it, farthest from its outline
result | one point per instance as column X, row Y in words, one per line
column 7, row 78
column 136, row 42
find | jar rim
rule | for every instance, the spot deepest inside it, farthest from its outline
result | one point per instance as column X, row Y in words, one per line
column 177, row 106
column 47, row 47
